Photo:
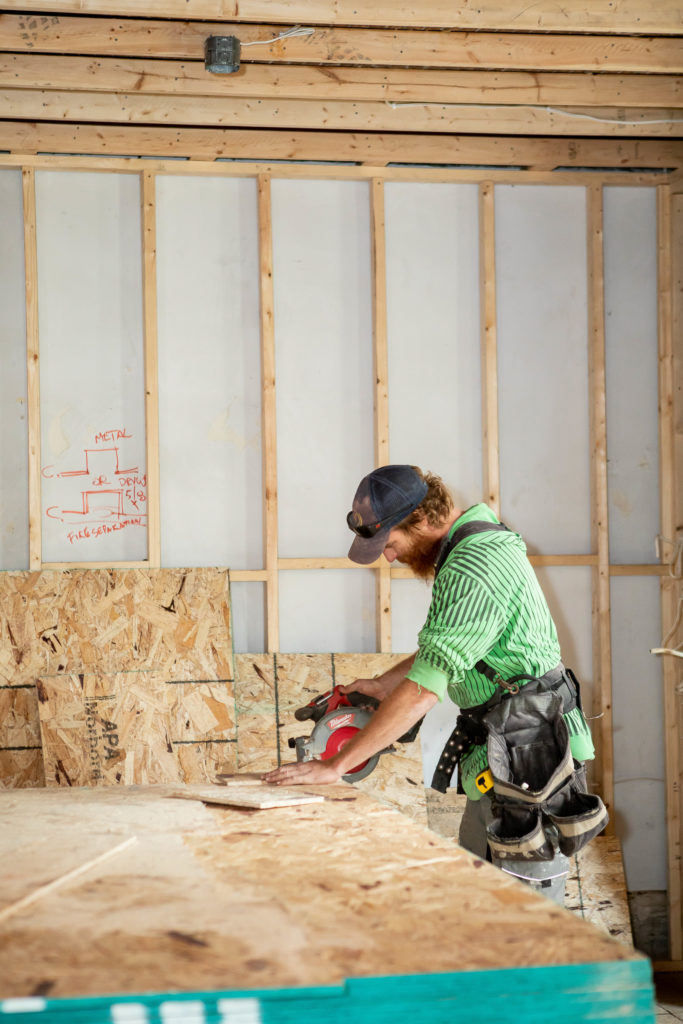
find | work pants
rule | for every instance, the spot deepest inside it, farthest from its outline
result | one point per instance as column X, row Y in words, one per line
column 547, row 877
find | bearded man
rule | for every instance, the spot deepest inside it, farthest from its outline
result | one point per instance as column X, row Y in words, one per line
column 488, row 634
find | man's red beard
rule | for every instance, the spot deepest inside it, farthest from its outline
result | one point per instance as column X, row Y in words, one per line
column 422, row 556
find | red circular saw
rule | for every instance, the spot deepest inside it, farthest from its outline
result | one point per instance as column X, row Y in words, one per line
column 338, row 717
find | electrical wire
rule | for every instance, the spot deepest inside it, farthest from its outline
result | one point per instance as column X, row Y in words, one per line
column 548, row 110
column 296, row 31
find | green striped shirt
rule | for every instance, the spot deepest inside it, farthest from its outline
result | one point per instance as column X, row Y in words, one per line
column 487, row 604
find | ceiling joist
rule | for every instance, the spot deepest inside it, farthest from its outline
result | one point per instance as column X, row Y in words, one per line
column 317, row 76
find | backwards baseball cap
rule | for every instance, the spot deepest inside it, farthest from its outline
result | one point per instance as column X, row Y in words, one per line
column 384, row 499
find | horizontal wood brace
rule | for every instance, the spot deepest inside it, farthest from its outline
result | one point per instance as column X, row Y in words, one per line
column 190, row 78
column 184, row 40
column 356, row 147
column 662, row 17
column 217, row 111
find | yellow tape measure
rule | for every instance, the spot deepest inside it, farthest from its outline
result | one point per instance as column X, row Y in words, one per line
column 484, row 781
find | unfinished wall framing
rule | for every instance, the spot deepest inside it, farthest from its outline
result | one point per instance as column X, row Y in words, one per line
column 271, row 577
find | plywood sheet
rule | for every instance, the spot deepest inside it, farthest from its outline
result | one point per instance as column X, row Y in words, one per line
column 255, row 704
column 300, row 677
column 128, row 727
column 21, row 768
column 172, row 620
column 19, row 722
column 601, row 885
column 195, row 904
column 21, row 757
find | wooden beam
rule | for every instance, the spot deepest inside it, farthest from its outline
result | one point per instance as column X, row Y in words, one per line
column 410, row 85
column 216, row 111
column 184, row 40
column 269, row 434
column 661, row 17
column 357, row 147
column 489, row 346
column 381, row 392
column 602, row 650
column 670, row 588
column 151, row 362
column 32, row 370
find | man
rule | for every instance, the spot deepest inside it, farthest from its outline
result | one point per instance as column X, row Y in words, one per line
column 488, row 623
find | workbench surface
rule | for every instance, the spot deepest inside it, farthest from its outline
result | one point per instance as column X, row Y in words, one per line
column 176, row 895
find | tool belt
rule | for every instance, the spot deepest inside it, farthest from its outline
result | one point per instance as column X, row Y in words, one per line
column 538, row 787
column 470, row 729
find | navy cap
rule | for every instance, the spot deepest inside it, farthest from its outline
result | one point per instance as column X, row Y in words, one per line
column 384, row 499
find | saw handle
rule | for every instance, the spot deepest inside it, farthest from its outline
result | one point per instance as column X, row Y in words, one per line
column 332, row 700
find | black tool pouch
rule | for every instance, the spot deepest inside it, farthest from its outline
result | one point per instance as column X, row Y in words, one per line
column 536, row 782
column 528, row 746
column 577, row 815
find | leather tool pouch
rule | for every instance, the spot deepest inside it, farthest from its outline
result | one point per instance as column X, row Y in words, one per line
column 536, row 782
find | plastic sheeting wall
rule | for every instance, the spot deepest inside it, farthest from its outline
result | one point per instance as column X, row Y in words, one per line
column 91, row 367
column 631, row 358
column 89, row 290
column 323, row 346
column 209, row 372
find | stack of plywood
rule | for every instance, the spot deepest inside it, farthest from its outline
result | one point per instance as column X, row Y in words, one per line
column 127, row 904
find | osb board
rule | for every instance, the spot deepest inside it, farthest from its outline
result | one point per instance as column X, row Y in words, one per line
column 21, row 758
column 598, row 884
column 175, row 621
column 21, row 768
column 196, row 905
column 134, row 727
column 300, row 677
column 445, row 811
column 19, row 721
column 255, row 705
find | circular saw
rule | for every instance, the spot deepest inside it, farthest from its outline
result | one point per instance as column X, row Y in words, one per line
column 338, row 717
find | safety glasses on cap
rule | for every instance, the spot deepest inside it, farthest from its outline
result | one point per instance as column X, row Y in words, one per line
column 354, row 521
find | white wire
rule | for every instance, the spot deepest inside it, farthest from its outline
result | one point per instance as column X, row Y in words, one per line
column 548, row 110
column 676, row 560
column 296, row 31
column 666, row 650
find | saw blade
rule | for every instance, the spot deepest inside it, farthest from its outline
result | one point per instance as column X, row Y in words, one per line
column 334, row 731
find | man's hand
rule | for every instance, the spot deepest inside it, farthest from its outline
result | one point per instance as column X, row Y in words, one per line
column 370, row 687
column 303, row 773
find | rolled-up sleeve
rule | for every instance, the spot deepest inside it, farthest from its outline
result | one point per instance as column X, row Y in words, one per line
column 463, row 624
column 428, row 677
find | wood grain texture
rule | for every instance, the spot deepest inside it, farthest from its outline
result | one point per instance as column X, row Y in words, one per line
column 175, row 621
column 338, row 45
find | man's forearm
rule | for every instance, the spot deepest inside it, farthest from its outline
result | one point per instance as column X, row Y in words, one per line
column 395, row 675
column 395, row 715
